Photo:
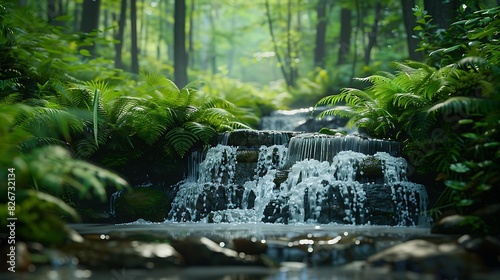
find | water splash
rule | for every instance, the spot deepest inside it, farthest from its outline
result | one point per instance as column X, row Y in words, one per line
column 333, row 185
column 215, row 172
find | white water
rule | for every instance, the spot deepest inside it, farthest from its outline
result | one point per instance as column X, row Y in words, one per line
column 308, row 187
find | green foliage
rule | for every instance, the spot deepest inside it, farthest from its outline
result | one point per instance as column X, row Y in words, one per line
column 445, row 115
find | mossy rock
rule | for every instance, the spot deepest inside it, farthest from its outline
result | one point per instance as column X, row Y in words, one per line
column 141, row 203
column 330, row 131
column 370, row 167
column 247, row 156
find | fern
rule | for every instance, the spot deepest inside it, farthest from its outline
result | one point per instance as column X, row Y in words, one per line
column 181, row 139
column 463, row 104
column 201, row 131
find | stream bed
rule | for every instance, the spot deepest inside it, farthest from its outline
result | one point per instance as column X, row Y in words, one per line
column 145, row 250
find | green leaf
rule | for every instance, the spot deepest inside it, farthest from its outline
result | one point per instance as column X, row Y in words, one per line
column 465, row 202
column 456, row 185
column 85, row 52
column 459, row 167
column 450, row 49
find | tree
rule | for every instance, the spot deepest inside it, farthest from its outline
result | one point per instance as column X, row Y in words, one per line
column 321, row 24
column 118, row 35
column 180, row 55
column 287, row 57
column 90, row 23
column 372, row 36
column 134, row 50
column 409, row 22
column 345, row 35
column 443, row 12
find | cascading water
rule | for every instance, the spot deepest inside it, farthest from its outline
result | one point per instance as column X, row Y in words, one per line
column 214, row 178
column 334, row 185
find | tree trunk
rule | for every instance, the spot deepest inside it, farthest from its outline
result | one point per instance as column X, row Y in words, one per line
column 180, row 57
column 119, row 35
column 443, row 12
column 76, row 18
column 134, row 52
column 321, row 24
column 275, row 45
column 372, row 36
column 191, row 35
column 345, row 35
column 90, row 21
column 160, row 33
column 51, row 10
column 213, row 43
column 409, row 22
column 359, row 22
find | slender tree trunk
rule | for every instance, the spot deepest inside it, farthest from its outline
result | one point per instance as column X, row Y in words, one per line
column 160, row 33
column 409, row 22
column 180, row 56
column 345, row 35
column 288, row 54
column 213, row 43
column 51, row 10
column 372, row 35
column 143, row 30
column 76, row 17
column 321, row 25
column 119, row 35
column 191, row 35
column 134, row 50
column 358, row 27
column 275, row 45
column 90, row 22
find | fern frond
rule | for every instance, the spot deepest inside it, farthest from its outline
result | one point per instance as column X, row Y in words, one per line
column 330, row 100
column 36, row 142
column 202, row 131
column 342, row 111
column 50, row 121
column 379, row 78
column 405, row 100
column 216, row 116
column 181, row 140
column 462, row 104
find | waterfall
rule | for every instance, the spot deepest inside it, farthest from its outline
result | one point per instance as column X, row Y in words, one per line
column 314, row 179
column 263, row 187
column 216, row 170
column 324, row 147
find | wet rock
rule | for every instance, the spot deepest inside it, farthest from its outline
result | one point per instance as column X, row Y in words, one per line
column 141, row 203
column 256, row 138
column 247, row 156
column 445, row 261
column 486, row 247
column 458, row 224
column 205, row 252
column 370, row 170
column 249, row 246
column 106, row 254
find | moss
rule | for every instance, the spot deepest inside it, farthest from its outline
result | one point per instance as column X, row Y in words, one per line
column 371, row 167
column 329, row 131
